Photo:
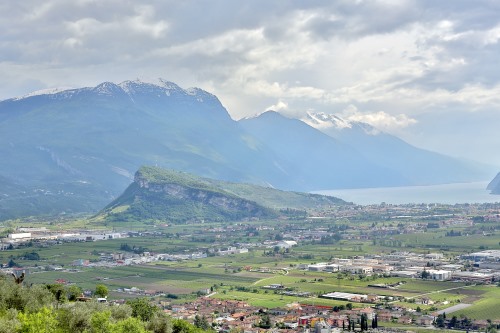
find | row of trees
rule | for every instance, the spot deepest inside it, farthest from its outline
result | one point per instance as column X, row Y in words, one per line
column 362, row 322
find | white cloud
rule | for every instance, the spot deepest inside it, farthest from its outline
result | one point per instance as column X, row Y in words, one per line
column 279, row 106
column 382, row 120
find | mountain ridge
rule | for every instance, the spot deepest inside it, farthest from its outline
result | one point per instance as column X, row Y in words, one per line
column 417, row 165
column 84, row 145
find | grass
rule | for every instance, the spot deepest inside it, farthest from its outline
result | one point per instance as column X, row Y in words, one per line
column 271, row 300
column 488, row 307
column 438, row 240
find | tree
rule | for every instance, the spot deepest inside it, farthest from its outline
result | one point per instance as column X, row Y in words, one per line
column 43, row 321
column 101, row 290
column 348, row 306
column 440, row 321
column 142, row 309
column 453, row 322
column 181, row 326
column 73, row 292
column 100, row 322
column 160, row 323
column 129, row 325
column 201, row 322
column 58, row 291
column 12, row 263
column 265, row 321
column 375, row 322
column 364, row 322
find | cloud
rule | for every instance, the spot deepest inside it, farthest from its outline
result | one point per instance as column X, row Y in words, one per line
column 394, row 60
column 279, row 106
column 380, row 119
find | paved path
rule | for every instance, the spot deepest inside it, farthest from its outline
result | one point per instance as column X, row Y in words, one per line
column 271, row 277
column 454, row 308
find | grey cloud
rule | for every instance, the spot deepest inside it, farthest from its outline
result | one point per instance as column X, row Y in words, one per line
column 354, row 19
column 379, row 55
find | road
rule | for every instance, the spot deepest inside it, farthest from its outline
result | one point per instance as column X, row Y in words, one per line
column 454, row 308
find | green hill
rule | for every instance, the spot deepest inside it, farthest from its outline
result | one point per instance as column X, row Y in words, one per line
column 166, row 195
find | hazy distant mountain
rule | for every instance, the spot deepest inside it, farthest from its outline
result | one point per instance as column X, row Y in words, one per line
column 318, row 160
column 415, row 165
column 96, row 138
column 76, row 150
column 494, row 185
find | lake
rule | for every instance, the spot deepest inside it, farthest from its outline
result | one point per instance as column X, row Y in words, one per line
column 446, row 194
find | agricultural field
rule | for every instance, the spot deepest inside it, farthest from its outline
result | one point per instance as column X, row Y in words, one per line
column 244, row 276
column 486, row 304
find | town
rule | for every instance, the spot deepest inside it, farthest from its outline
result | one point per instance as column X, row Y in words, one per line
column 350, row 267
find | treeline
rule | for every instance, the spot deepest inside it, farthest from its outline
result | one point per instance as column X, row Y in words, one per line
column 42, row 309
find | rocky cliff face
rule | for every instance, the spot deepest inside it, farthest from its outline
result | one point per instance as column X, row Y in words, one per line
column 209, row 197
column 167, row 195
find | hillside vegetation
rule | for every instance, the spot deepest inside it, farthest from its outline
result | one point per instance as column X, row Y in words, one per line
column 51, row 308
column 166, row 195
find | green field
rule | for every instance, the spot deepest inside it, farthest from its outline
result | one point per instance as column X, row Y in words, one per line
column 238, row 276
column 488, row 307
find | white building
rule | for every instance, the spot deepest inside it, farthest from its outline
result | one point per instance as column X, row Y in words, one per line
column 317, row 267
column 367, row 270
column 440, row 275
column 332, row 268
column 406, row 274
column 22, row 235
column 286, row 244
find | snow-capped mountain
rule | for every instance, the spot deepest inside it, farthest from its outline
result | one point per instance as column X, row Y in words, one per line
column 419, row 166
column 334, row 125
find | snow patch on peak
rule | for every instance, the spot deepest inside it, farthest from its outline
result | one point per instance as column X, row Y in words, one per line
column 323, row 121
column 49, row 91
column 368, row 129
column 332, row 122
column 200, row 94
column 267, row 113
column 107, row 88
column 168, row 84
column 151, row 85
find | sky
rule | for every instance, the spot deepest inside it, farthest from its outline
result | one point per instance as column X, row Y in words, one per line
column 426, row 71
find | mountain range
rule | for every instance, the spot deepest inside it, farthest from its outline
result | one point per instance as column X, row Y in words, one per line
column 76, row 150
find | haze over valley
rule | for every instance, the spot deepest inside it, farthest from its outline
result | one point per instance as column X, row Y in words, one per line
column 86, row 144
